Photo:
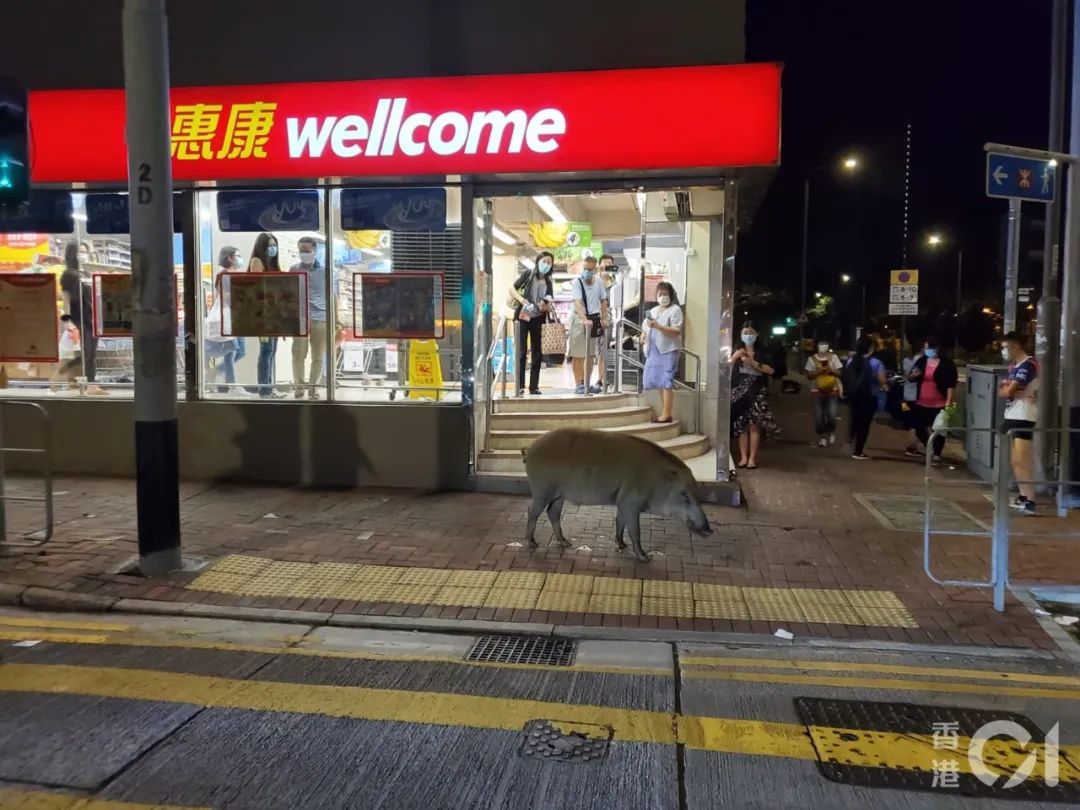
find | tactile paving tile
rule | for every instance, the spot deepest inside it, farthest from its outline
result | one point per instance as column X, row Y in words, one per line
column 729, row 609
column 410, row 594
column 219, row 582
column 472, row 579
column 885, row 617
column 563, row 601
column 873, row 599
column 331, row 570
column 680, row 607
column 773, row 604
column 717, row 593
column 667, row 590
column 240, row 564
column 569, row 583
column 378, row 574
column 831, row 614
column 617, row 586
column 610, row 603
column 461, row 597
column 424, row 576
column 526, row 580
column 286, row 570
column 818, row 596
column 512, row 598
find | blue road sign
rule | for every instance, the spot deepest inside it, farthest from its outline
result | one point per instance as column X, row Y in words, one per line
column 1021, row 178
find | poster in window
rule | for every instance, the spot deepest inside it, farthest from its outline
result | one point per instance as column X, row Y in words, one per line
column 264, row 304
column 114, row 305
column 29, row 331
column 398, row 305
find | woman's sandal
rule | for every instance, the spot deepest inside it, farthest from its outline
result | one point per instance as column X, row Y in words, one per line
column 741, row 465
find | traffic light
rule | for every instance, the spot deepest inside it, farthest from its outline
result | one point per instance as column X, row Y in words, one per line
column 14, row 151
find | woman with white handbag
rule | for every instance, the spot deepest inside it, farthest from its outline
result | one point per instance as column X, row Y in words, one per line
column 532, row 300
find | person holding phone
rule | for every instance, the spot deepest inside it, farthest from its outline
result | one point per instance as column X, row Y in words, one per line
column 663, row 338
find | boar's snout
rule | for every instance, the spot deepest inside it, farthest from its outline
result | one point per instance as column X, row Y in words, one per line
column 696, row 520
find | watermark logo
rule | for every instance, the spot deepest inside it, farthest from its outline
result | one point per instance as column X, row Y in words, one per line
column 946, row 771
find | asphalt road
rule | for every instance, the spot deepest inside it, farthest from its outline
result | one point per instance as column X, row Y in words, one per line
column 121, row 712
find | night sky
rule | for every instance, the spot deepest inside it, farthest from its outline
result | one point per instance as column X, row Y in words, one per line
column 961, row 72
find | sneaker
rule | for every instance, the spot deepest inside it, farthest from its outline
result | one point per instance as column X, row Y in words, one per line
column 822, row 442
column 937, row 461
column 832, row 438
column 579, row 390
column 912, row 452
column 519, row 393
column 860, row 456
column 596, row 388
column 1027, row 510
column 1018, row 502
column 535, row 392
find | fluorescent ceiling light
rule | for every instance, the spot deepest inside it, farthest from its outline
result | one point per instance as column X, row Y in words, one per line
column 549, row 207
column 498, row 233
column 497, row 249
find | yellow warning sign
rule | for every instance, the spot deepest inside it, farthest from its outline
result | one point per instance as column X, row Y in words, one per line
column 425, row 370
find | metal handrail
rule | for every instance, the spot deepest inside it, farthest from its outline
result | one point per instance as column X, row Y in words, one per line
column 621, row 357
column 43, row 535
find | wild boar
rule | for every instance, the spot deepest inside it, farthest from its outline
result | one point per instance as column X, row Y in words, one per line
column 596, row 467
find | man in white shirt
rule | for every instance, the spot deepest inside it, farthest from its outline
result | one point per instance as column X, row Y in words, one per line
column 589, row 314
column 823, row 371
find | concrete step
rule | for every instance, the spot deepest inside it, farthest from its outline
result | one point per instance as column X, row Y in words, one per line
column 685, row 446
column 516, row 439
column 549, row 420
column 547, row 403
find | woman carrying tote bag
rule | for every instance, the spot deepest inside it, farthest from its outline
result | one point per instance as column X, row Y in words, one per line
column 532, row 296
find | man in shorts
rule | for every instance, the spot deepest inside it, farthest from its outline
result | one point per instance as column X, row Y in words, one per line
column 1020, row 388
column 589, row 314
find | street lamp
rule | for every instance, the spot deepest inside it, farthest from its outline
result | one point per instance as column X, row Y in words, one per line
column 845, row 278
column 850, row 165
column 936, row 240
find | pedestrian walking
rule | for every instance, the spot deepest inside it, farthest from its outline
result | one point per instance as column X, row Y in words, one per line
column 823, row 370
column 936, row 375
column 915, row 449
column 862, row 378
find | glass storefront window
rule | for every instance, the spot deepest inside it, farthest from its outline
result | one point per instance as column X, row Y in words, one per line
column 91, row 262
column 260, row 336
column 397, row 283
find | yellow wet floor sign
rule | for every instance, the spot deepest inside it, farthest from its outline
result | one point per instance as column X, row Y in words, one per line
column 425, row 370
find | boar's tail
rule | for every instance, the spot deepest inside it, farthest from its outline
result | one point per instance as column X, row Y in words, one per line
column 524, row 453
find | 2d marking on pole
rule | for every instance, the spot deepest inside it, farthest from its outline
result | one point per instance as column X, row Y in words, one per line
column 1021, row 178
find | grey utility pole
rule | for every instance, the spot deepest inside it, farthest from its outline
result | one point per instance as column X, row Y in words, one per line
column 1069, row 445
column 1048, row 321
column 146, row 83
column 1012, row 265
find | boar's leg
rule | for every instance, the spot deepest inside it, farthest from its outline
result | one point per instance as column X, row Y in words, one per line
column 554, row 511
column 631, row 519
column 620, row 530
column 535, row 508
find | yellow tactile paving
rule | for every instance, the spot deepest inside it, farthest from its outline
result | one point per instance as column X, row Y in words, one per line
column 512, row 598
column 569, row 593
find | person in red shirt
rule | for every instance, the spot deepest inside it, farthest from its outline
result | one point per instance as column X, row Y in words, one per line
column 936, row 375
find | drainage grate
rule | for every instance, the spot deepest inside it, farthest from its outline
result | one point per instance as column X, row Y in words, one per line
column 912, row 747
column 565, row 742
column 907, row 513
column 556, row 652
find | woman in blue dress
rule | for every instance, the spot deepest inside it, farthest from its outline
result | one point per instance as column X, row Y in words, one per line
column 663, row 339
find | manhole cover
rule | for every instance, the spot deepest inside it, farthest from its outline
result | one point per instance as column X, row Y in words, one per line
column 912, row 747
column 560, row 741
column 556, row 652
column 907, row 513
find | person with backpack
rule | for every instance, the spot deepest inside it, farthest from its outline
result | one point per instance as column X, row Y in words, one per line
column 862, row 378
column 936, row 376
column 825, row 389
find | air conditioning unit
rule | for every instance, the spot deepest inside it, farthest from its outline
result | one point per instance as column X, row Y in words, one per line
column 697, row 204
column 676, row 205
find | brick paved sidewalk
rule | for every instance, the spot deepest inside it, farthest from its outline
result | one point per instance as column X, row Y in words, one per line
column 805, row 527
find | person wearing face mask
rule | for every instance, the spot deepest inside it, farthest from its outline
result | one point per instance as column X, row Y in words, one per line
column 751, row 416
column 532, row 295
column 823, row 371
column 911, row 394
column 862, row 378
column 220, row 352
column 1020, row 390
column 75, row 286
column 609, row 274
column 315, row 342
column 663, row 337
column 264, row 259
column 936, row 376
column 587, row 320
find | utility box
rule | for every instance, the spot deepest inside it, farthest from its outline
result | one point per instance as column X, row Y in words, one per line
column 983, row 413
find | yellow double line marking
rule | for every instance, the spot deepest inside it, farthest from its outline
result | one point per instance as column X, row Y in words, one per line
column 22, row 799
column 720, row 735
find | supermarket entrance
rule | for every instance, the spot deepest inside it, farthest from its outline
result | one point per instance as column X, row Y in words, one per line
column 610, row 252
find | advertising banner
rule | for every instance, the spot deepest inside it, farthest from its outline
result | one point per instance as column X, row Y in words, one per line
column 398, row 305
column 393, row 209
column 264, row 304
column 724, row 115
column 29, row 329
column 250, row 211
column 114, row 305
column 47, row 211
column 108, row 213
column 22, row 248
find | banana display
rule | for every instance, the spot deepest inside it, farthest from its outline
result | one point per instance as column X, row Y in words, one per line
column 549, row 234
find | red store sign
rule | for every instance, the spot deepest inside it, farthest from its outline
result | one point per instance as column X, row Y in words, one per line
column 708, row 117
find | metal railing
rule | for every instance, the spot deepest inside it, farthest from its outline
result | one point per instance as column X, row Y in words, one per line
column 44, row 534
column 1000, row 532
column 622, row 357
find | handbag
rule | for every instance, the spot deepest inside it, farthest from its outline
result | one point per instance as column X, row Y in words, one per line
column 553, row 336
